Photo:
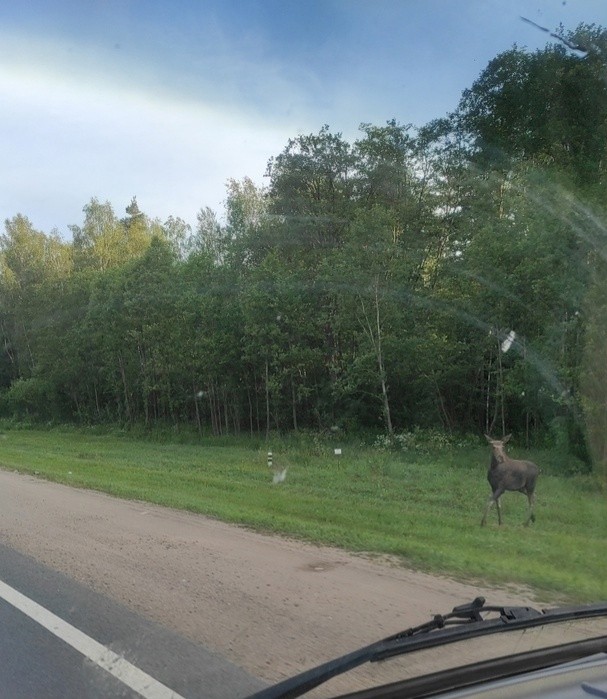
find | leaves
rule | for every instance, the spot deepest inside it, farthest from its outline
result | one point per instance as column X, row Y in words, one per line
column 369, row 285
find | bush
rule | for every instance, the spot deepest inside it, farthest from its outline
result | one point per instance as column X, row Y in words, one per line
column 424, row 440
column 30, row 398
column 568, row 457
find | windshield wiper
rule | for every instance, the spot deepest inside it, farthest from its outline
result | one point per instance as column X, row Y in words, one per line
column 465, row 621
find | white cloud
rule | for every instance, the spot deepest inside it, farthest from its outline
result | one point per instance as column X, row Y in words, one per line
column 171, row 111
column 65, row 139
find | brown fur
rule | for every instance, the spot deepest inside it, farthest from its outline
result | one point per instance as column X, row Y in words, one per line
column 509, row 474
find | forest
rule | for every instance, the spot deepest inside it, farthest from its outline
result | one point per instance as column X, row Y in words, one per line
column 448, row 277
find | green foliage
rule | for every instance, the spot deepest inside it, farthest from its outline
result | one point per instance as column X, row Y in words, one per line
column 424, row 441
column 594, row 372
column 548, row 107
column 370, row 285
column 30, row 398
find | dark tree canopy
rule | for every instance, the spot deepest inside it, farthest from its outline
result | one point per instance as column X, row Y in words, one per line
column 370, row 285
column 548, row 107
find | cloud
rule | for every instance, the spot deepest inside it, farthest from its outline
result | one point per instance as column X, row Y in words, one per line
column 101, row 100
column 68, row 135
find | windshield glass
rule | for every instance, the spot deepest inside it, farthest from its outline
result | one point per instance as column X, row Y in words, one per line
column 303, row 329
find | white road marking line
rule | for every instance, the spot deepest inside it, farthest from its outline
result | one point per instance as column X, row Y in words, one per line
column 120, row 668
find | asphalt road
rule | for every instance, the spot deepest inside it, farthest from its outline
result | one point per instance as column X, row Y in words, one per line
column 38, row 662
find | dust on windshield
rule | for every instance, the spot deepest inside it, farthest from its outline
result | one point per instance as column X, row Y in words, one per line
column 335, row 271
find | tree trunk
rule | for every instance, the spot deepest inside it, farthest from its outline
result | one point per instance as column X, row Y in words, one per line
column 98, row 408
column 375, row 335
column 127, row 405
column 267, row 400
column 197, row 407
column 250, row 410
column 212, row 409
column 293, row 404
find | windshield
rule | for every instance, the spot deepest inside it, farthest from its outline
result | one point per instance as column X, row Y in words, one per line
column 303, row 317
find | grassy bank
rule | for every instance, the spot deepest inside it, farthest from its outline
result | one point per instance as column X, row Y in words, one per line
column 422, row 507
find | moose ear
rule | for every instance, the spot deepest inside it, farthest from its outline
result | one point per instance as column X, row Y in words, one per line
column 488, row 438
column 506, row 438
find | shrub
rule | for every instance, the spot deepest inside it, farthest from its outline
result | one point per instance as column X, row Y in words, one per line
column 424, row 440
column 30, row 398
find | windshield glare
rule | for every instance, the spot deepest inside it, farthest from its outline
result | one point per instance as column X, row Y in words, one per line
column 303, row 329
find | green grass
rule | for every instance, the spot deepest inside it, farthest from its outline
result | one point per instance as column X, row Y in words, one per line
column 423, row 508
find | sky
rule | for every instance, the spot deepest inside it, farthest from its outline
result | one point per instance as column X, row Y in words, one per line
column 168, row 100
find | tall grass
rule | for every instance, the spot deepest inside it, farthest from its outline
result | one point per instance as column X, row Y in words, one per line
column 423, row 506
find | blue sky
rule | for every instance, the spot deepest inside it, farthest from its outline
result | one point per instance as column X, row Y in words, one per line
column 167, row 100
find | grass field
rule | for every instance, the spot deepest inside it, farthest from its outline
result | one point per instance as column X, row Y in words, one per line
column 424, row 507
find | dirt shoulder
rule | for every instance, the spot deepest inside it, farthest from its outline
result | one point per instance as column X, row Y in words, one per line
column 272, row 605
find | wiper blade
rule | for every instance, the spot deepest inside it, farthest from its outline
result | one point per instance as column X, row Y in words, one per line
column 464, row 614
column 464, row 621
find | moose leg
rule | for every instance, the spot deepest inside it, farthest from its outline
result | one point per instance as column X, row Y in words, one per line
column 531, row 517
column 486, row 512
column 495, row 498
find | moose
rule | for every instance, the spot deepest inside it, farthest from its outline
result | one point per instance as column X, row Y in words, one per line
column 509, row 474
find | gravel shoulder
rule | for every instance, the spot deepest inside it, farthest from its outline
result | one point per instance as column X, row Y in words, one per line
column 271, row 605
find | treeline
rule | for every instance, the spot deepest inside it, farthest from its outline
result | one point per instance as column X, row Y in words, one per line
column 448, row 276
